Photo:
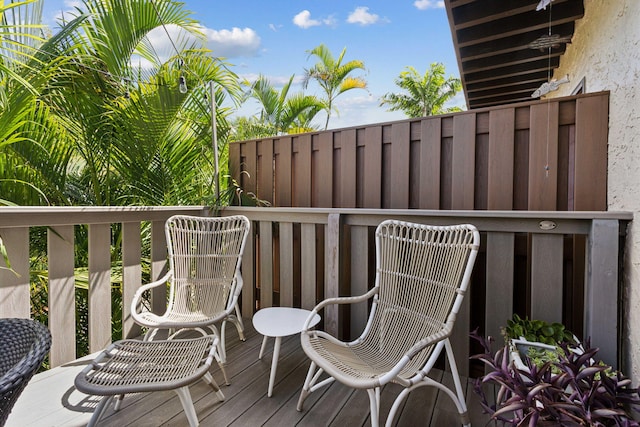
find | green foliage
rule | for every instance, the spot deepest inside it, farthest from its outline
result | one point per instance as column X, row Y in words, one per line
column 333, row 76
column 423, row 95
column 537, row 330
column 282, row 112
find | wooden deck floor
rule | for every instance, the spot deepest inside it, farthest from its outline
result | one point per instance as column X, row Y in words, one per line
column 51, row 400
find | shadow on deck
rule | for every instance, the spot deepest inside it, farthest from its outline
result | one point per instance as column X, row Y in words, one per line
column 51, row 400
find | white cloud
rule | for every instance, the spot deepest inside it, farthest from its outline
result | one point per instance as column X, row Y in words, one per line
column 276, row 81
column 330, row 21
column 428, row 4
column 362, row 16
column 233, row 43
column 303, row 20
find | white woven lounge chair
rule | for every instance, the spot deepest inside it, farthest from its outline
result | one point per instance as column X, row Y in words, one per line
column 422, row 274
column 205, row 254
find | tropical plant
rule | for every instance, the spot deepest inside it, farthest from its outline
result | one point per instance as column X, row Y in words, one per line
column 80, row 124
column 580, row 391
column 83, row 125
column 423, row 95
column 537, row 330
column 282, row 111
column 332, row 75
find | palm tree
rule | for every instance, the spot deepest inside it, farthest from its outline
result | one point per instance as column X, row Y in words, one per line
column 280, row 110
column 333, row 76
column 93, row 125
column 423, row 95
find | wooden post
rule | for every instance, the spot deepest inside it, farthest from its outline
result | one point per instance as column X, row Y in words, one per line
column 62, row 302
column 333, row 259
column 131, row 275
column 99, row 286
column 601, row 290
column 14, row 285
column 158, row 266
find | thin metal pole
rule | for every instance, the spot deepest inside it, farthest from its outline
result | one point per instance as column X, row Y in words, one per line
column 214, row 140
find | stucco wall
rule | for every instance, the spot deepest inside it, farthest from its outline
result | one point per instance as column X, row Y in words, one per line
column 605, row 51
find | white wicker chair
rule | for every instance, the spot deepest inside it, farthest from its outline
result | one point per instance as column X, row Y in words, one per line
column 422, row 274
column 204, row 275
column 133, row 366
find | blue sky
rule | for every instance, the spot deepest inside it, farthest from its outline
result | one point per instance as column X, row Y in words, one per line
column 272, row 37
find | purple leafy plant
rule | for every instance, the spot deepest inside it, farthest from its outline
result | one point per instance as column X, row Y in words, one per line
column 579, row 392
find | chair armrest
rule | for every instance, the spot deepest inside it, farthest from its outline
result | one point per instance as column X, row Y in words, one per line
column 135, row 302
column 338, row 300
column 433, row 339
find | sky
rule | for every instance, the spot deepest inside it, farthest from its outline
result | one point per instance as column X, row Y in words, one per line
column 273, row 37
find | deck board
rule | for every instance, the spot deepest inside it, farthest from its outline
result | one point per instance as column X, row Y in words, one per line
column 51, row 400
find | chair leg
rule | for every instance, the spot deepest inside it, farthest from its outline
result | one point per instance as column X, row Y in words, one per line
column 374, row 405
column 208, row 378
column 102, row 406
column 187, row 405
column 119, row 399
column 396, row 405
column 306, row 388
column 310, row 383
column 239, row 323
column 460, row 403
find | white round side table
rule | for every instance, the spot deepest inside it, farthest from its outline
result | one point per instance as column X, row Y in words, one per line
column 278, row 322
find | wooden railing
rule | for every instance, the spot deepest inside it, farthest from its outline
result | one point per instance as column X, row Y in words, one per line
column 298, row 256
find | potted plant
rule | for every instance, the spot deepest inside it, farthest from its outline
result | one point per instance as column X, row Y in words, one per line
column 536, row 339
column 575, row 390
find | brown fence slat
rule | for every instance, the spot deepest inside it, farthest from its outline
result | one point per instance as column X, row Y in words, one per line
column 463, row 162
column 501, row 159
column 265, row 170
column 302, row 183
column 323, row 164
column 399, row 196
column 543, row 157
column 431, row 144
column 591, row 154
column 249, row 180
column 347, row 169
column 283, row 171
column 372, row 182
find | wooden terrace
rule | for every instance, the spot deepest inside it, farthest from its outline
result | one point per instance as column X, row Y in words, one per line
column 51, row 400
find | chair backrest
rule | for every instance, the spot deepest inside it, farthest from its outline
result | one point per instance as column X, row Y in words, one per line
column 422, row 272
column 24, row 343
column 205, row 254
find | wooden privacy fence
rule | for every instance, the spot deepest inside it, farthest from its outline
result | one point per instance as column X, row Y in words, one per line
column 542, row 155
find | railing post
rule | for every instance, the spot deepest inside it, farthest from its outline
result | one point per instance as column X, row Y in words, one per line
column 14, row 285
column 266, row 264
column 62, row 302
column 131, row 275
column 158, row 266
column 601, row 289
column 333, row 260
column 99, row 286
